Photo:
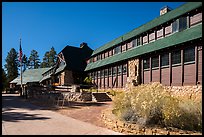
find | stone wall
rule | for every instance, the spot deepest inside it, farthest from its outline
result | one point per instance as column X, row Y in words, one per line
column 192, row 92
column 115, row 124
column 66, row 77
column 133, row 72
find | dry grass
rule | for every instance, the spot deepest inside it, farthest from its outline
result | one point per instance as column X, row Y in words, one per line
column 151, row 104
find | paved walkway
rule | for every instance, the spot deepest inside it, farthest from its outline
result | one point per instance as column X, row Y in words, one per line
column 22, row 118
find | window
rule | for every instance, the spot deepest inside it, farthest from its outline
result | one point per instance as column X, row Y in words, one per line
column 165, row 59
column 179, row 24
column 155, row 62
column 146, row 63
column 99, row 74
column 114, row 70
column 119, row 69
column 176, row 57
column 95, row 74
column 102, row 73
column 189, row 54
column 106, row 72
column 124, row 69
column 99, row 57
column 117, row 49
column 182, row 23
column 175, row 26
column 134, row 43
column 110, row 71
column 138, row 41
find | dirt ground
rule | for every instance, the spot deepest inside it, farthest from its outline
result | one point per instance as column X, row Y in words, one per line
column 85, row 111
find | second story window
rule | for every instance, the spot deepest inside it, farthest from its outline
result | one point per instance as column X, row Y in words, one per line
column 179, row 24
column 99, row 57
column 182, row 23
column 117, row 49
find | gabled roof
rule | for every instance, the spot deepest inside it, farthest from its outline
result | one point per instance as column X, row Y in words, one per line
column 156, row 22
column 30, row 75
column 174, row 39
column 75, row 57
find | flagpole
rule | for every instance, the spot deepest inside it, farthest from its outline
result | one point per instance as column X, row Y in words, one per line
column 21, row 71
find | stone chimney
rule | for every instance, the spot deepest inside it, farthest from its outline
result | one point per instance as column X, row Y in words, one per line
column 164, row 10
column 83, row 44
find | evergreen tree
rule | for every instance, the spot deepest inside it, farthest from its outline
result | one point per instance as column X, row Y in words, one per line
column 12, row 65
column 45, row 62
column 34, row 61
column 49, row 58
column 4, row 80
column 52, row 57
column 25, row 62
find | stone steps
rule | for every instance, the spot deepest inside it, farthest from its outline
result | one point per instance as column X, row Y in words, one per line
column 100, row 97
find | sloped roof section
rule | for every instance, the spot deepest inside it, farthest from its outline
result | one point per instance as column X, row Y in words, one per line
column 174, row 39
column 156, row 22
column 75, row 57
column 30, row 75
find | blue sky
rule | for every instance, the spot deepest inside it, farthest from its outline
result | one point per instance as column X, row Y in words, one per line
column 42, row 25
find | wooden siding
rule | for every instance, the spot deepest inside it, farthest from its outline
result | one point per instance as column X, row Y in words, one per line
column 160, row 33
column 176, row 76
column 168, row 30
column 110, row 53
column 119, row 82
column 195, row 19
column 99, row 83
column 106, row 82
column 151, row 36
column 114, row 81
column 129, row 45
column 165, row 78
column 144, row 39
column 189, row 74
column 200, row 65
column 102, row 82
column 155, row 75
column 106, row 54
column 110, row 82
column 124, row 79
column 146, row 77
column 124, row 47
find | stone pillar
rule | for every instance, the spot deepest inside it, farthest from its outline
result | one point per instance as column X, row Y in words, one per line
column 133, row 72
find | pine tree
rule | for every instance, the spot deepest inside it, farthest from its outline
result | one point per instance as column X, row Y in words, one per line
column 12, row 65
column 49, row 58
column 25, row 62
column 34, row 61
column 45, row 64
column 52, row 57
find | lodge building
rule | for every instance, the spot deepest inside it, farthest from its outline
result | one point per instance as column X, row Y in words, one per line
column 167, row 49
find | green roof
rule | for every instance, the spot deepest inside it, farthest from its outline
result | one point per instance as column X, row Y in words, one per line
column 61, row 68
column 174, row 39
column 156, row 22
column 30, row 75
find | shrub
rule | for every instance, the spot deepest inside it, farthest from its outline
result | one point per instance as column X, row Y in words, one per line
column 151, row 104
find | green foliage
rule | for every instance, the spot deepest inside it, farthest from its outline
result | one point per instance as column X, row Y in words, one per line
column 151, row 104
column 12, row 65
column 88, row 80
column 25, row 62
column 49, row 58
column 34, row 61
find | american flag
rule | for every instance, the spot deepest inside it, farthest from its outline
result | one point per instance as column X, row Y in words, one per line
column 20, row 53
